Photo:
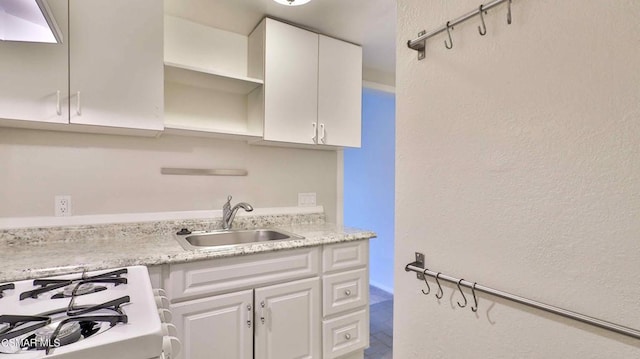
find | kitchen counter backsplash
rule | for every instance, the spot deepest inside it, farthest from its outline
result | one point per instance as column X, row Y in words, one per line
column 47, row 235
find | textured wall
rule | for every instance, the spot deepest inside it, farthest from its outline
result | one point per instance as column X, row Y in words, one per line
column 518, row 166
column 369, row 186
column 120, row 174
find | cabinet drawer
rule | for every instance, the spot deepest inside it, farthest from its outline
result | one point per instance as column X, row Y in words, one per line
column 345, row 334
column 199, row 279
column 344, row 291
column 345, row 255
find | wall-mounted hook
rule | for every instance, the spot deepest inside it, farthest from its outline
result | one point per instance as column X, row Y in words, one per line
column 463, row 296
column 439, row 287
column 475, row 300
column 482, row 30
column 424, row 273
column 450, row 45
column 509, row 12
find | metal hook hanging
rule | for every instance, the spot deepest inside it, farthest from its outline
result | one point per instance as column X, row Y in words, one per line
column 463, row 296
column 509, row 12
column 425, row 282
column 450, row 45
column 475, row 300
column 439, row 287
column 482, row 30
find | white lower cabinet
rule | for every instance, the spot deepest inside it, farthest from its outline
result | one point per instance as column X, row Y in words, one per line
column 344, row 334
column 308, row 303
column 216, row 327
column 283, row 321
column 288, row 320
column 345, row 300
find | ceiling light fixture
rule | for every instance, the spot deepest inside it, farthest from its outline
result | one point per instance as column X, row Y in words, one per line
column 292, row 2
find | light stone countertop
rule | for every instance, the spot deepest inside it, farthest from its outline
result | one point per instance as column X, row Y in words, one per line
column 32, row 254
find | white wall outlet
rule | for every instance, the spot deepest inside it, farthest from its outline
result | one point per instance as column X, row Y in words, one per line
column 307, row 199
column 63, row 206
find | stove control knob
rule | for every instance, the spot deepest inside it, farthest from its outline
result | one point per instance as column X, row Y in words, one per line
column 162, row 302
column 169, row 329
column 171, row 347
column 165, row 315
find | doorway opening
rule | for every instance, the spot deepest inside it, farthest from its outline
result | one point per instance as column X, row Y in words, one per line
column 369, row 202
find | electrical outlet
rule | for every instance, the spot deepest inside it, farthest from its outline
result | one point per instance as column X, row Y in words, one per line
column 307, row 199
column 62, row 206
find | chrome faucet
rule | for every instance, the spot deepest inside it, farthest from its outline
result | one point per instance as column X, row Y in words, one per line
column 228, row 213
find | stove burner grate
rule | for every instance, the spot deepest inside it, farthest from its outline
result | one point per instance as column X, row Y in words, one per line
column 47, row 285
column 60, row 327
column 4, row 287
column 14, row 325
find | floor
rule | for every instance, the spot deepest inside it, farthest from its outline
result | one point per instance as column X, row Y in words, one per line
column 381, row 325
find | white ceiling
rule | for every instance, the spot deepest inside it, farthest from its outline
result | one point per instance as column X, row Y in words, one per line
column 370, row 23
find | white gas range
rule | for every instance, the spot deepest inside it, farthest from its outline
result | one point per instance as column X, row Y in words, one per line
column 101, row 314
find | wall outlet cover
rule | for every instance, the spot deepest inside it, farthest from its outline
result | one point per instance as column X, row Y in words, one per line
column 62, row 205
column 307, row 199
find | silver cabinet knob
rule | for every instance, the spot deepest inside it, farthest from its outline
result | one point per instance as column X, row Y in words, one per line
column 347, row 336
column 347, row 292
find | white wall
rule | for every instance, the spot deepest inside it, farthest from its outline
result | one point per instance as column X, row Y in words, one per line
column 120, row 174
column 518, row 167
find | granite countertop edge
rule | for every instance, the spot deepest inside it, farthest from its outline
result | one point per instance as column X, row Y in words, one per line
column 170, row 252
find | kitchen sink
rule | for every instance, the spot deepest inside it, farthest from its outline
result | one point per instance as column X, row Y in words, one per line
column 228, row 238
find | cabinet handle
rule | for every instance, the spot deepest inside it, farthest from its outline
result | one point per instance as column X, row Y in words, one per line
column 347, row 336
column 249, row 316
column 262, row 312
column 322, row 139
column 315, row 132
column 78, row 108
column 58, row 109
column 347, row 292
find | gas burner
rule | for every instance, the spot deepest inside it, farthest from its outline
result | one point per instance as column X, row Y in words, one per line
column 58, row 328
column 77, row 285
column 4, row 287
column 74, row 290
column 68, row 333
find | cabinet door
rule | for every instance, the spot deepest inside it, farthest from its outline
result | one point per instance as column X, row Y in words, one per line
column 339, row 93
column 291, row 326
column 291, row 83
column 216, row 327
column 116, row 62
column 34, row 76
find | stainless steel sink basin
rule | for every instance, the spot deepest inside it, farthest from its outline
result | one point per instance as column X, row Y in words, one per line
column 222, row 239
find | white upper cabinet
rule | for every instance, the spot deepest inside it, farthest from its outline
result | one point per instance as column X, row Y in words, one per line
column 116, row 63
column 107, row 72
column 291, row 83
column 312, row 91
column 339, row 93
column 34, row 76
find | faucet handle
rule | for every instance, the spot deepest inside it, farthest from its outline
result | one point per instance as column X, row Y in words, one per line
column 227, row 206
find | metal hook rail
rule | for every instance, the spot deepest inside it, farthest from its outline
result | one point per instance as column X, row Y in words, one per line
column 418, row 43
column 418, row 267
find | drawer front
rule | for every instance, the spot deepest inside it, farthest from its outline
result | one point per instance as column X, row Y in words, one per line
column 344, row 291
column 345, row 334
column 343, row 256
column 203, row 278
